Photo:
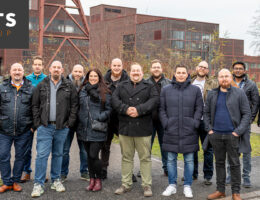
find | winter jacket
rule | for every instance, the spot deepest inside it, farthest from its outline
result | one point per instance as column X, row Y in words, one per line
column 36, row 79
column 181, row 107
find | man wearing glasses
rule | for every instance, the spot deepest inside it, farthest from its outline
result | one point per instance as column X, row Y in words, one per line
column 205, row 83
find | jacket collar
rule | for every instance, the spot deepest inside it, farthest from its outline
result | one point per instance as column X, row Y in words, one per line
column 107, row 77
column 181, row 85
column 39, row 76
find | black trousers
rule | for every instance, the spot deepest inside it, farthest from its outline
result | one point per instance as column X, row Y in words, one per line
column 94, row 163
column 226, row 144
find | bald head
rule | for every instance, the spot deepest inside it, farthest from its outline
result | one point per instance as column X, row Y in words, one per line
column 116, row 67
column 224, row 78
column 56, row 63
column 202, row 69
column 77, row 72
column 16, row 73
column 56, row 70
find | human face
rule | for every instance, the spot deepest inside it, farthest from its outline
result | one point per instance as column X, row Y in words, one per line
column 77, row 72
column 37, row 67
column 136, row 73
column 93, row 78
column 156, row 70
column 116, row 67
column 224, row 78
column 202, row 69
column 239, row 71
column 16, row 73
column 181, row 74
column 56, row 70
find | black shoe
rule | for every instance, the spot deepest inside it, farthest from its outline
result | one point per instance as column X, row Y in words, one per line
column 165, row 173
column 134, row 178
column 194, row 178
column 104, row 174
column 139, row 174
column 207, row 182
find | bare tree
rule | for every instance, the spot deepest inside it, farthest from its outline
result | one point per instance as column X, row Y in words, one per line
column 255, row 31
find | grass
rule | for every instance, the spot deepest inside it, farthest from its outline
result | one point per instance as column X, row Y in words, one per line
column 255, row 141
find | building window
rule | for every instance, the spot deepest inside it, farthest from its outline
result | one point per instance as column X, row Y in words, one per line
column 176, row 35
column 193, row 45
column 195, row 36
column 175, row 44
column 33, row 23
column 206, row 37
column 195, row 54
column 128, row 38
column 112, row 10
column 128, row 47
column 158, row 35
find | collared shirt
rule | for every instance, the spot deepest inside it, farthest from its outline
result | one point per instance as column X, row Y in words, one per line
column 18, row 86
column 54, row 89
column 242, row 82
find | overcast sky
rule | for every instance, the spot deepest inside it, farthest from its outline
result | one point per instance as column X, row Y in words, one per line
column 233, row 16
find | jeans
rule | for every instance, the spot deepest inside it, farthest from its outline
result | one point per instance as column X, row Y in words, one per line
column 208, row 156
column 188, row 167
column 28, row 156
column 21, row 143
column 226, row 144
column 66, row 155
column 157, row 127
column 49, row 140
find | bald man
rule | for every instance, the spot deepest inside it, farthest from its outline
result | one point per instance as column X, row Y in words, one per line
column 16, row 125
column 205, row 83
column 227, row 116
column 55, row 105
column 77, row 78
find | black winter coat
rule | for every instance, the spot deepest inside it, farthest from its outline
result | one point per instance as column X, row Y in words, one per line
column 144, row 97
column 66, row 100
column 181, row 108
column 15, row 108
column 98, row 112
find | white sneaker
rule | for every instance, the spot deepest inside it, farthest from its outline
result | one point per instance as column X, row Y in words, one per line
column 57, row 185
column 171, row 189
column 187, row 191
column 37, row 190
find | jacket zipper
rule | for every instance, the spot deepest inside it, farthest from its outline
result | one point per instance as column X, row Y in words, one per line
column 15, row 105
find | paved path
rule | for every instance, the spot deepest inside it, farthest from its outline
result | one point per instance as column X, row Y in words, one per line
column 75, row 188
column 255, row 128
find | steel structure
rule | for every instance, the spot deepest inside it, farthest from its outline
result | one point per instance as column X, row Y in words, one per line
column 67, row 37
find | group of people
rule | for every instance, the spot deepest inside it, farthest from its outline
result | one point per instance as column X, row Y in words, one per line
column 180, row 111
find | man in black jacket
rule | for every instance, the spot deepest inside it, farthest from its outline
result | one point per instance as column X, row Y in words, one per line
column 115, row 75
column 227, row 116
column 134, row 101
column 55, row 105
column 15, row 125
column 158, row 79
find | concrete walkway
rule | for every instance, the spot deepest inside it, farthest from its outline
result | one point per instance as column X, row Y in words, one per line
column 255, row 128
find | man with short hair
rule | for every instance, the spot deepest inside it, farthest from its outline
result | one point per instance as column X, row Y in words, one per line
column 205, row 83
column 115, row 75
column 55, row 105
column 36, row 77
column 134, row 101
column 16, row 125
column 226, row 115
column 77, row 78
column 158, row 79
column 181, row 107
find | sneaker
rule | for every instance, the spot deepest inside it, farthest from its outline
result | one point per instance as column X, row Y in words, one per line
column 37, row 190
column 57, row 185
column 207, row 182
column 148, row 191
column 63, row 178
column 187, row 191
column 171, row 189
column 246, row 183
column 122, row 190
column 85, row 176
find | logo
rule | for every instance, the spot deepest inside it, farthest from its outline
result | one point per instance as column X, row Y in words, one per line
column 14, row 24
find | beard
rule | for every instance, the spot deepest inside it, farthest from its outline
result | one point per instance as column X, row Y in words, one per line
column 56, row 77
column 201, row 76
column 77, row 83
column 225, row 85
column 241, row 76
column 116, row 75
column 157, row 76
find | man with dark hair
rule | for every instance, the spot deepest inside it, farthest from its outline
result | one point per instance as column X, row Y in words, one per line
column 16, row 125
column 158, row 79
column 226, row 115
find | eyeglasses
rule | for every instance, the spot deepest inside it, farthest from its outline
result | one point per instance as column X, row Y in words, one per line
column 239, row 69
column 202, row 67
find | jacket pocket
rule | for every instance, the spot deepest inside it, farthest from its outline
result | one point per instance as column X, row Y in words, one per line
column 6, row 96
column 26, row 97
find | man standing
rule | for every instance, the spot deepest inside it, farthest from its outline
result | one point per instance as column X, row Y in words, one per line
column 242, row 81
column 16, row 122
column 181, row 107
column 36, row 77
column 205, row 83
column 55, row 105
column 226, row 116
column 158, row 79
column 134, row 101
column 115, row 75
column 77, row 78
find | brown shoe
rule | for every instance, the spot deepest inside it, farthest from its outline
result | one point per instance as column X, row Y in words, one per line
column 236, row 197
column 216, row 195
column 148, row 191
column 46, row 180
column 25, row 177
column 5, row 188
column 17, row 187
column 122, row 190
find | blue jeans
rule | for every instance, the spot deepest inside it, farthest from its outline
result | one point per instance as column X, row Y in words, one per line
column 157, row 127
column 49, row 140
column 28, row 156
column 66, row 155
column 20, row 144
column 188, row 167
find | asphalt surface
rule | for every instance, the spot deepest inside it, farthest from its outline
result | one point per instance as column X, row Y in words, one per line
column 75, row 187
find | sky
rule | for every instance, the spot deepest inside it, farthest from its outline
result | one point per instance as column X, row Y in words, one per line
column 233, row 16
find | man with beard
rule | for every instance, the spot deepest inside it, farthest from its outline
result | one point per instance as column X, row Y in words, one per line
column 54, row 105
column 115, row 75
column 242, row 81
column 77, row 78
column 226, row 116
column 205, row 83
column 159, row 81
